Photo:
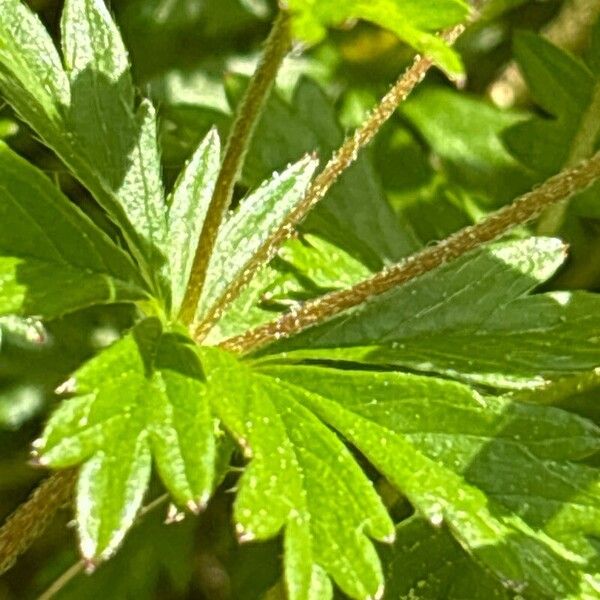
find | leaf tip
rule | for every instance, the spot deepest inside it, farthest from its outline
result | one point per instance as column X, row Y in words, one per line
column 89, row 565
column 174, row 515
column 390, row 538
column 195, row 507
column 244, row 535
column 67, row 387
column 378, row 594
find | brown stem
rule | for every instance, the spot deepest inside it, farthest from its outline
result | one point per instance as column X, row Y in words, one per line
column 32, row 517
column 522, row 210
column 339, row 162
column 249, row 111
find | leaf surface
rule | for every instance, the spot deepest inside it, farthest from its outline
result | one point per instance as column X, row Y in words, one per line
column 256, row 219
column 470, row 319
column 355, row 215
column 188, row 204
column 411, row 21
column 426, row 563
column 298, row 478
column 53, row 259
column 141, row 397
column 85, row 113
column 507, row 499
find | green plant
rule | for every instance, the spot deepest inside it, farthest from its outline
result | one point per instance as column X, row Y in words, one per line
column 415, row 369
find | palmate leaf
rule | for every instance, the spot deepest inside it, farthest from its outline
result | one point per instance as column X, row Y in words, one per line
column 410, row 20
column 470, row 319
column 502, row 475
column 483, row 466
column 142, row 397
column 53, row 259
column 85, row 113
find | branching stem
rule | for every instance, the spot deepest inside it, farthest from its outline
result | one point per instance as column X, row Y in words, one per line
column 524, row 209
column 343, row 158
column 248, row 114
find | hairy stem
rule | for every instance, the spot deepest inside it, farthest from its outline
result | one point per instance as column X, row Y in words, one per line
column 343, row 158
column 527, row 207
column 32, row 517
column 248, row 114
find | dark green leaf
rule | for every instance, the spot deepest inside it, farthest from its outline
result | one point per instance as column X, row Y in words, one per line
column 53, row 259
column 470, row 319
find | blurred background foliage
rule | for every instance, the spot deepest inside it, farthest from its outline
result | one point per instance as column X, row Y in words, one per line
column 448, row 157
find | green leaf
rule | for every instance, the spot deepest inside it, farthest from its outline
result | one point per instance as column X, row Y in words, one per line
column 53, row 259
column 256, row 219
column 31, row 73
column 355, row 214
column 141, row 397
column 469, row 319
column 126, row 153
column 410, row 20
column 301, row 479
column 86, row 115
column 305, row 267
column 486, row 467
column 427, row 563
column 326, row 266
column 467, row 137
column 188, row 204
column 568, row 91
column 564, row 88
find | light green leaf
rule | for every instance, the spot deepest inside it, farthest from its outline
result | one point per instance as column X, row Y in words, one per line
column 412, row 21
column 469, row 319
column 256, row 219
column 92, row 43
column 483, row 466
column 467, row 137
column 188, row 203
column 53, row 259
column 31, row 73
column 301, row 479
column 325, row 265
column 141, row 397
column 305, row 267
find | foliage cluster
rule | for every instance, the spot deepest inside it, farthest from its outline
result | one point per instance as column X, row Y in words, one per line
column 436, row 439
